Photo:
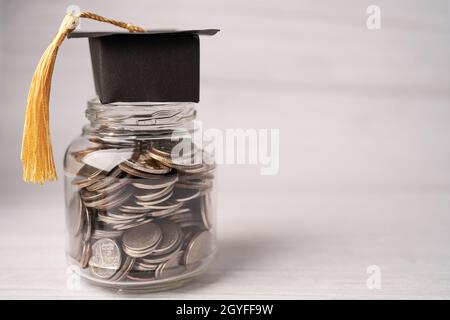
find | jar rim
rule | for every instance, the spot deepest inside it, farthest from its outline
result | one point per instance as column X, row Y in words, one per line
column 95, row 102
column 139, row 117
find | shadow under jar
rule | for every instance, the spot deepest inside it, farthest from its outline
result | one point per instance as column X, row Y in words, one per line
column 139, row 203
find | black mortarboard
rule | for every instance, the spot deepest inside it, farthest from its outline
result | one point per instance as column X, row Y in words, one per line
column 151, row 66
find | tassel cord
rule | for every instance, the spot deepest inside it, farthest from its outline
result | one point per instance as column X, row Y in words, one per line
column 37, row 155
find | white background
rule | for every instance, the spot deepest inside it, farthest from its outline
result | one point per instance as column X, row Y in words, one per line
column 364, row 153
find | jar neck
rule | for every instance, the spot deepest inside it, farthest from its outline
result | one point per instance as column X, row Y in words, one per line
column 137, row 118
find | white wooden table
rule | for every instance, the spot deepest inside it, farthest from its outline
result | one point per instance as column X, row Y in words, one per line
column 318, row 246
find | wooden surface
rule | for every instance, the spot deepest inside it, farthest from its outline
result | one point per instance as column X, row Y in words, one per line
column 319, row 248
column 364, row 145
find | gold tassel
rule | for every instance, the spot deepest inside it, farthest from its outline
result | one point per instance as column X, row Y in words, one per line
column 37, row 155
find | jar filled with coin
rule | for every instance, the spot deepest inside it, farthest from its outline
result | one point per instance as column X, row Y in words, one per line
column 139, row 196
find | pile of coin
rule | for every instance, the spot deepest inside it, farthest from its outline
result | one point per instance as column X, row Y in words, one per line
column 139, row 214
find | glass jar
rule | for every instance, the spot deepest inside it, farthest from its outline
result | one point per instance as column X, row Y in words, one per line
column 139, row 202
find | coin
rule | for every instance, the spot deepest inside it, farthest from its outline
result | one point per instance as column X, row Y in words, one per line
column 154, row 202
column 199, row 247
column 206, row 211
column 98, row 234
column 165, row 205
column 105, row 258
column 141, row 240
column 109, row 202
column 125, row 166
column 154, row 194
column 79, row 155
column 140, row 276
column 108, row 184
column 196, row 185
column 115, row 186
column 75, row 215
column 183, row 195
column 156, row 210
column 123, row 271
column 136, row 223
column 141, row 217
column 200, row 169
column 170, row 268
column 151, row 184
column 89, row 196
column 88, row 225
column 171, row 235
column 178, row 163
column 159, row 213
column 107, row 159
column 102, row 272
column 87, row 175
column 144, row 267
column 164, row 147
column 112, row 177
column 148, row 165
column 85, row 255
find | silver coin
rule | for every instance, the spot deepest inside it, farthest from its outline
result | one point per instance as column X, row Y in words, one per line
column 141, row 276
column 164, row 147
column 110, row 202
column 142, row 238
column 124, row 270
column 178, row 163
column 80, row 154
column 156, row 260
column 113, row 176
column 107, row 159
column 173, row 149
column 154, row 194
column 193, row 178
column 114, row 186
column 156, row 201
column 159, row 213
column 200, row 246
column 88, row 175
column 156, row 210
column 183, row 195
column 143, row 266
column 105, row 258
column 170, row 268
column 137, row 173
column 88, row 224
column 148, row 165
column 90, row 196
column 196, row 185
column 160, row 183
column 85, row 255
column 165, row 206
column 171, row 235
column 134, row 209
column 202, row 169
column 98, row 234
column 75, row 215
column 102, row 272
column 121, row 217
column 133, row 224
column 206, row 211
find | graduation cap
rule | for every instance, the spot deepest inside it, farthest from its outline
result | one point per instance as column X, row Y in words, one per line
column 152, row 66
column 133, row 66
